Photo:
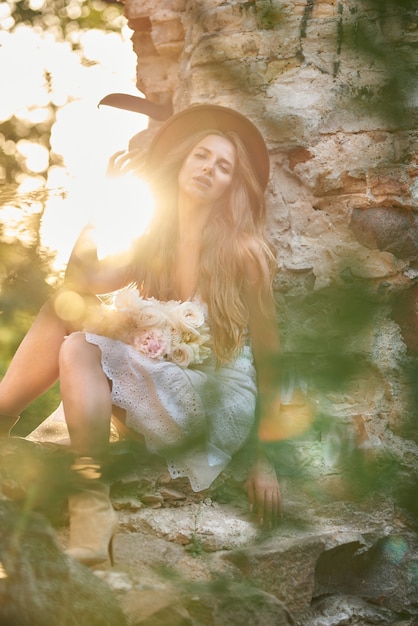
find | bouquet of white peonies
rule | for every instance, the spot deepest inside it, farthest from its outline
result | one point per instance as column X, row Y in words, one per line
column 172, row 331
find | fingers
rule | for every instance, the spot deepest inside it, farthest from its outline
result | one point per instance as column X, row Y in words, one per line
column 265, row 502
column 263, row 512
column 251, row 495
column 269, row 507
column 273, row 508
column 264, row 493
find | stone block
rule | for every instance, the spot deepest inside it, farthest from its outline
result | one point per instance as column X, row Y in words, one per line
column 139, row 25
column 333, row 183
column 281, row 66
column 220, row 48
column 325, row 9
column 383, row 574
column 204, row 524
column 39, row 584
column 367, row 264
column 167, row 31
column 214, row 17
column 143, row 45
column 171, row 49
column 157, row 75
column 226, row 605
column 298, row 155
column 285, row 570
column 141, row 8
column 392, row 182
column 387, row 228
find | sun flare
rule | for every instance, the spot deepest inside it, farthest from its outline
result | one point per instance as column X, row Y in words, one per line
column 119, row 212
column 122, row 214
column 84, row 135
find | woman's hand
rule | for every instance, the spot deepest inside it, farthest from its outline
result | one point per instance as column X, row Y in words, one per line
column 263, row 491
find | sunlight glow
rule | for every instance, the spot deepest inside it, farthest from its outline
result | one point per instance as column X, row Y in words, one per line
column 118, row 208
column 36, row 5
column 36, row 156
column 34, row 115
column 26, row 85
column 122, row 214
column 11, row 218
column 86, row 136
column 29, row 184
column 6, row 20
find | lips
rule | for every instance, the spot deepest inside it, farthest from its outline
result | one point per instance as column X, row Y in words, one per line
column 203, row 180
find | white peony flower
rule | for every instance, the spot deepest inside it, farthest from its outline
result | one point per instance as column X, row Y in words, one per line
column 182, row 355
column 151, row 313
column 126, row 300
column 189, row 315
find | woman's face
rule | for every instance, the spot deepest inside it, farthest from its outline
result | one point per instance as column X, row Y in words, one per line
column 206, row 173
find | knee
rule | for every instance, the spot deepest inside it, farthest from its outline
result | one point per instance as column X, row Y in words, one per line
column 74, row 349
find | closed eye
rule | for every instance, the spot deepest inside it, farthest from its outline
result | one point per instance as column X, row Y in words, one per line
column 225, row 167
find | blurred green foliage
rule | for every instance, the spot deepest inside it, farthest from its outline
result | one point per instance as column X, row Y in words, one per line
column 26, row 281
column 63, row 17
column 331, row 345
column 380, row 34
column 27, row 278
column 64, row 20
column 12, row 164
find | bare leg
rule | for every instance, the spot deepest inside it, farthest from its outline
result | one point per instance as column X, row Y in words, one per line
column 34, row 367
column 86, row 397
column 85, row 393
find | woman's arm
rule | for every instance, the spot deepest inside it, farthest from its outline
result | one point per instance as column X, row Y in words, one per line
column 85, row 273
column 264, row 334
column 262, row 485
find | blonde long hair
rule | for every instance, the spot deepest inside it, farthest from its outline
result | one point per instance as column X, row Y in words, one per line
column 233, row 237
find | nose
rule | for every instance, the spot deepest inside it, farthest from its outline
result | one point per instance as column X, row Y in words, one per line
column 208, row 167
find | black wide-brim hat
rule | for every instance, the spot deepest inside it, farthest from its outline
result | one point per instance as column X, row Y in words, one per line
column 210, row 117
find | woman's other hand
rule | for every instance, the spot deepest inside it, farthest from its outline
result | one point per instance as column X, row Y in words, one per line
column 263, row 491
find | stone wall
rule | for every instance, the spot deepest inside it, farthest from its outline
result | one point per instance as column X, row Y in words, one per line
column 331, row 84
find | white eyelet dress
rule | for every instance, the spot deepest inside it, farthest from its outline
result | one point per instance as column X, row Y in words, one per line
column 169, row 405
column 207, row 409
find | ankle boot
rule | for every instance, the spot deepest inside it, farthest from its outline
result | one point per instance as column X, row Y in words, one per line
column 6, row 424
column 93, row 521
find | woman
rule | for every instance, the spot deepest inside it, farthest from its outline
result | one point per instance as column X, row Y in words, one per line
column 204, row 251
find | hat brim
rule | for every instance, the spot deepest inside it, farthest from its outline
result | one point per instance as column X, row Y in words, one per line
column 210, row 117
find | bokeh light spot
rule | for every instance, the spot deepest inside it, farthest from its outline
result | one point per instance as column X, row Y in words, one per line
column 36, row 156
column 285, row 421
column 69, row 306
column 395, row 549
